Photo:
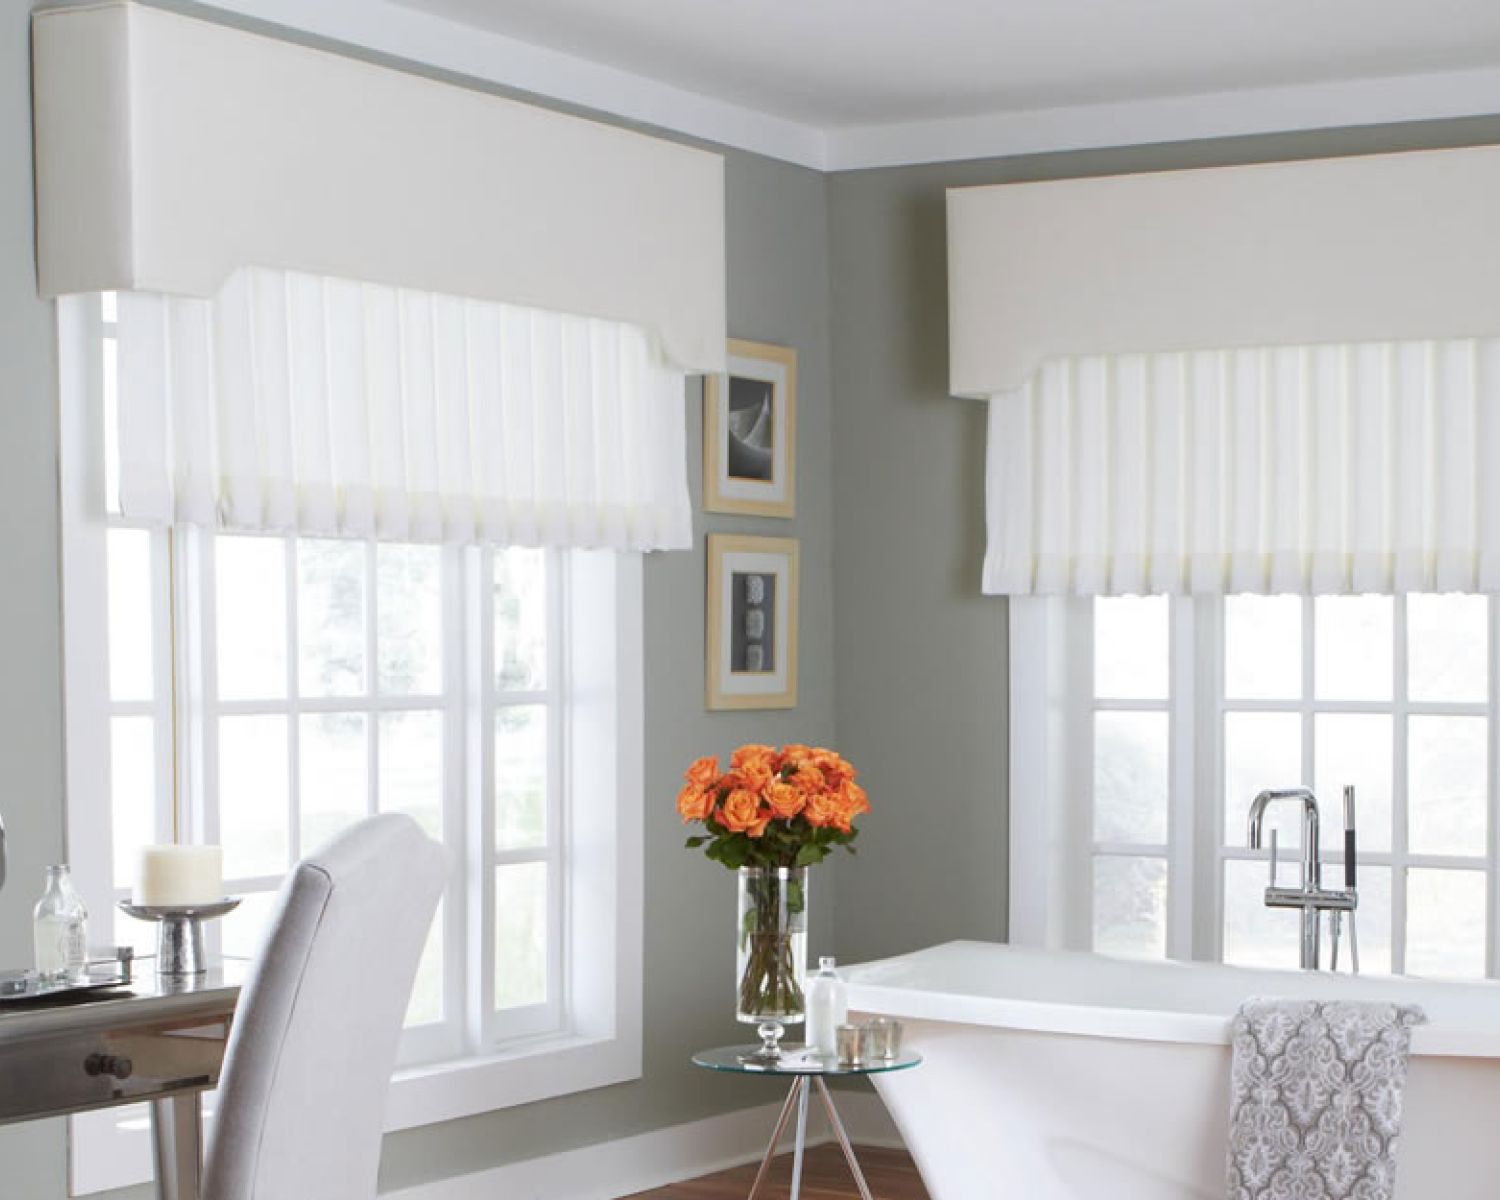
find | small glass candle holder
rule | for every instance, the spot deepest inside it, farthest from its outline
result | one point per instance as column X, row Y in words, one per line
column 884, row 1041
column 849, row 1041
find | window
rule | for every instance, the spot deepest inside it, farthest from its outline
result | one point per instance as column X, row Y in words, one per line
column 264, row 692
column 1176, row 711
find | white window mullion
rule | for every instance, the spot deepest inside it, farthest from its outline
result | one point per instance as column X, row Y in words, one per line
column 1400, row 790
column 559, row 738
column 171, row 821
column 203, row 707
column 371, row 688
column 1492, row 791
column 1182, row 815
column 455, row 791
column 292, row 709
column 481, row 990
column 1203, row 762
column 1078, row 716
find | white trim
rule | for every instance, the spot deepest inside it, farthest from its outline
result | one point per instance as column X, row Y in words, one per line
column 1351, row 102
column 419, row 37
column 657, row 1159
column 389, row 28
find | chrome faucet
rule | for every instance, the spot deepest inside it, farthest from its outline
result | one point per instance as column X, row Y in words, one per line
column 1311, row 897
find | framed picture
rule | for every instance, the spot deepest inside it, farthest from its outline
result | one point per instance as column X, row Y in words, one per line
column 752, row 622
column 750, row 432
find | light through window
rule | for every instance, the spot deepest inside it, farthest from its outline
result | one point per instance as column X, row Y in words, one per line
column 1197, row 705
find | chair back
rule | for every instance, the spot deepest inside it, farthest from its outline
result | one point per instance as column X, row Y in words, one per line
column 302, row 1096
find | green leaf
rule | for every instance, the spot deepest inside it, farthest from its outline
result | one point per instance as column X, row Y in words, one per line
column 694, row 842
column 809, row 855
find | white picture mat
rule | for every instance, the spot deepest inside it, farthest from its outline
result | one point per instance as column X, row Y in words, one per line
column 754, row 683
column 731, row 487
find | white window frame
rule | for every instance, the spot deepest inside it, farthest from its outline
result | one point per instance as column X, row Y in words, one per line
column 1052, row 847
column 588, row 1035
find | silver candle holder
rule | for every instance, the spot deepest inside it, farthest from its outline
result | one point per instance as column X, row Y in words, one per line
column 179, row 934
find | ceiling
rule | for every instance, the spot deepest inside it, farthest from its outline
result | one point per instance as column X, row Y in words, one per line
column 850, row 84
column 840, row 63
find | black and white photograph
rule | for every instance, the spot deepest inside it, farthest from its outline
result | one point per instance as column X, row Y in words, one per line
column 750, row 432
column 751, row 435
column 751, row 622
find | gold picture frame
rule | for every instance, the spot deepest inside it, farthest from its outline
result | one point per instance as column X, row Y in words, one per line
column 751, row 622
column 750, row 432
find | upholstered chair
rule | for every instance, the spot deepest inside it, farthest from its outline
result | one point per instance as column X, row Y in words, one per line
column 302, row 1097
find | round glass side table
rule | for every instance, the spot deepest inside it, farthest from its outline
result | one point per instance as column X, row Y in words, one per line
column 806, row 1070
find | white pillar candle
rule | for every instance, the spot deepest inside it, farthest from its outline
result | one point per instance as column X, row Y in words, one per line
column 176, row 876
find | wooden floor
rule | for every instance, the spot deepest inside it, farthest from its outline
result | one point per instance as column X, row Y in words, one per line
column 825, row 1176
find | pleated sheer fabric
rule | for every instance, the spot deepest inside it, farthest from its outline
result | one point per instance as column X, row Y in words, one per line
column 296, row 403
column 1318, row 469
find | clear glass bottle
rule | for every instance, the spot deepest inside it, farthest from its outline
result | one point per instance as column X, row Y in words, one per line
column 827, row 1008
column 61, row 929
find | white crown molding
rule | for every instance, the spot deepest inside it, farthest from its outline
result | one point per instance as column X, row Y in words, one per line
column 416, row 36
column 432, row 41
column 1172, row 119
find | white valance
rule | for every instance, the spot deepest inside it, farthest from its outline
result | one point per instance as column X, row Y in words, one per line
column 1326, row 469
column 1388, row 247
column 297, row 403
column 171, row 151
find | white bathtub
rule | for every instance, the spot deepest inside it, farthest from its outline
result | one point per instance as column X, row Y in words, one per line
column 1058, row 1076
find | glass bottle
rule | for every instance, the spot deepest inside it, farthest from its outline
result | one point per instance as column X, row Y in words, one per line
column 61, row 929
column 827, row 1009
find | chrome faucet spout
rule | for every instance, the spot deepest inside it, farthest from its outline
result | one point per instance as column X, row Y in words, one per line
column 1312, row 870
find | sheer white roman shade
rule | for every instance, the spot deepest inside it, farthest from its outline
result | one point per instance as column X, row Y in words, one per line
column 293, row 402
column 1323, row 469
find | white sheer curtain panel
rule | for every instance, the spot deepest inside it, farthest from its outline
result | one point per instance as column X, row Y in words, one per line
column 1323, row 469
column 296, row 403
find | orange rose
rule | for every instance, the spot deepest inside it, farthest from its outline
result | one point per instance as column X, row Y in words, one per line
column 704, row 773
column 742, row 813
column 808, row 780
column 855, row 798
column 793, row 753
column 752, row 753
column 822, row 809
column 695, row 803
column 753, row 775
column 784, row 800
column 835, row 770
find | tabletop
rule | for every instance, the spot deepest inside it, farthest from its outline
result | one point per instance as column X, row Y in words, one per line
column 796, row 1060
column 147, row 999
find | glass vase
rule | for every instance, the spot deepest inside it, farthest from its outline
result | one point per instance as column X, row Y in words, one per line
column 771, row 959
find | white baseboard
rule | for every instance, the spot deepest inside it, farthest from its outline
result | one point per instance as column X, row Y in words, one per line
column 649, row 1160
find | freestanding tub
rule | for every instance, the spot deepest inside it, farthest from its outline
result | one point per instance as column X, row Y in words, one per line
column 1063, row 1076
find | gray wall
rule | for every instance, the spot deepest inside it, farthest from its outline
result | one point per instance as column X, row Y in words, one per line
column 31, row 1156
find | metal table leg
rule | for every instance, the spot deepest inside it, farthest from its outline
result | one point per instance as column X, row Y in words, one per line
column 177, row 1140
column 786, row 1112
column 801, row 1140
column 838, row 1132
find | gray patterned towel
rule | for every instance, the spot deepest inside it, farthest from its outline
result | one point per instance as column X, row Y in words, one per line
column 1317, row 1099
